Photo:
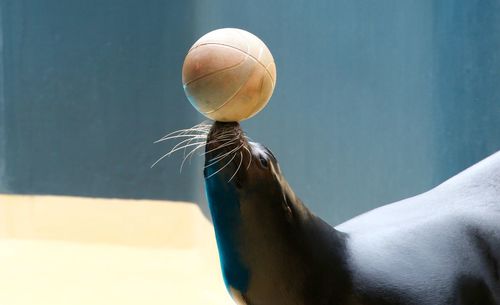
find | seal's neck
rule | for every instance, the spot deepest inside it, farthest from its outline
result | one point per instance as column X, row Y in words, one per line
column 273, row 248
column 226, row 216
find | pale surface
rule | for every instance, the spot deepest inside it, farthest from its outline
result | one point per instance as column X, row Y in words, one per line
column 67, row 250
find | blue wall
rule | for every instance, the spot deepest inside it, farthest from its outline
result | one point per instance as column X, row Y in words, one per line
column 89, row 85
column 375, row 100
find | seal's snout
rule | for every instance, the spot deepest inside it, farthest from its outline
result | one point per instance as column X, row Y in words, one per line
column 223, row 136
column 224, row 126
column 226, row 151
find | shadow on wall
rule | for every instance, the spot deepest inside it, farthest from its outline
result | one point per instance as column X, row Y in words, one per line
column 374, row 101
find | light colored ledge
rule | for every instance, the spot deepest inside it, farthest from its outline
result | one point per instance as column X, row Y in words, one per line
column 69, row 250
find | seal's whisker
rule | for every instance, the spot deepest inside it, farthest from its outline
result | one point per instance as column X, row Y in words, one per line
column 204, row 136
column 227, row 153
column 194, row 136
column 183, row 146
column 238, row 168
column 181, row 135
column 218, row 140
column 249, row 157
column 212, row 150
column 205, row 123
column 215, row 149
column 230, row 142
column 185, row 131
column 202, row 128
column 220, row 169
column 186, row 141
column 220, row 157
column 161, row 158
column 192, row 139
column 172, row 151
column 191, row 154
column 224, row 133
column 208, row 165
column 224, row 138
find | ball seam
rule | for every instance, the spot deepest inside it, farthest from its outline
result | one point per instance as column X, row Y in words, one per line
column 235, row 48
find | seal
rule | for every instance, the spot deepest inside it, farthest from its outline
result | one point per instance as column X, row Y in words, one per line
column 440, row 247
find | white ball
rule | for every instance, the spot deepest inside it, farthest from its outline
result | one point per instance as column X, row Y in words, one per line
column 229, row 75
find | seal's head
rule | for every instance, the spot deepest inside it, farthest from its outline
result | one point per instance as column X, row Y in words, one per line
column 242, row 164
column 268, row 240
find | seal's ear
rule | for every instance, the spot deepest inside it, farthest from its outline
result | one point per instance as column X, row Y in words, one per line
column 286, row 207
column 270, row 153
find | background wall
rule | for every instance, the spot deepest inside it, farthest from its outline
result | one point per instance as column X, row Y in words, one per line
column 89, row 85
column 375, row 100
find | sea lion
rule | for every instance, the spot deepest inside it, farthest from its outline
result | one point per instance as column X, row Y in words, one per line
column 440, row 247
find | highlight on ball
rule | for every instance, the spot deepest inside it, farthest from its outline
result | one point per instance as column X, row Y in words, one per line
column 229, row 75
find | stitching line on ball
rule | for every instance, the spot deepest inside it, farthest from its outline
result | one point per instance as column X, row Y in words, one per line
column 229, row 99
column 235, row 48
column 215, row 72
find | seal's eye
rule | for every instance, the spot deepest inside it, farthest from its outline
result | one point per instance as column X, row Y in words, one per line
column 263, row 161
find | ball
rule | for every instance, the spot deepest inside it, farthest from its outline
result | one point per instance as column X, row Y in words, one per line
column 229, row 75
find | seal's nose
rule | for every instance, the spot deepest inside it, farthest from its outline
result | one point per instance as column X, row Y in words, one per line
column 223, row 130
column 225, row 125
column 223, row 136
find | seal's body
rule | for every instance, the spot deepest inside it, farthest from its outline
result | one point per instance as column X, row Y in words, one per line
column 441, row 247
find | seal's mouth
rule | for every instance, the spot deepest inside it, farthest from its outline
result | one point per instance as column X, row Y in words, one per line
column 227, row 151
